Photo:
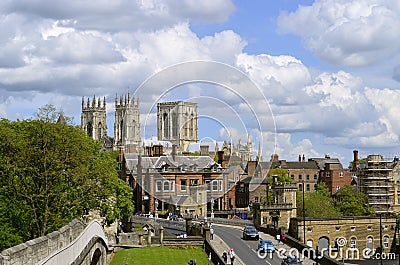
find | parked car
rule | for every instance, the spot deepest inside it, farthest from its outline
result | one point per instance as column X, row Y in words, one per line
column 266, row 245
column 250, row 232
column 291, row 260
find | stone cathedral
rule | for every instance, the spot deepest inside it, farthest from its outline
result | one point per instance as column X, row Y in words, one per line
column 177, row 122
column 127, row 133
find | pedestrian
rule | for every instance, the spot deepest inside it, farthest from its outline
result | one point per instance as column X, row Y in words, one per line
column 283, row 238
column 225, row 257
column 211, row 232
column 278, row 238
column 232, row 255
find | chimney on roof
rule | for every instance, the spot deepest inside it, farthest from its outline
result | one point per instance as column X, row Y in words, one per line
column 355, row 159
column 304, row 158
column 158, row 150
column 173, row 153
column 299, row 158
column 204, row 150
column 220, row 157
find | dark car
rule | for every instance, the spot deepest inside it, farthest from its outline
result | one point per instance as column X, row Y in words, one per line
column 266, row 245
column 291, row 260
column 250, row 232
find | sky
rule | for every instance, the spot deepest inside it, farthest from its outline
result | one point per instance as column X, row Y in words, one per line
column 324, row 75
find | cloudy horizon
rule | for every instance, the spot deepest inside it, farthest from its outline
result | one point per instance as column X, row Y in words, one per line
column 329, row 69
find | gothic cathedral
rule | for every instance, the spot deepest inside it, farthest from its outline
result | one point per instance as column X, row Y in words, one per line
column 127, row 133
column 177, row 122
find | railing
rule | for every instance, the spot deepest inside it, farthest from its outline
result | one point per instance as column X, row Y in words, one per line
column 71, row 252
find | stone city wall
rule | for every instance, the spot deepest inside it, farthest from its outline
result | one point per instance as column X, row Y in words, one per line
column 32, row 251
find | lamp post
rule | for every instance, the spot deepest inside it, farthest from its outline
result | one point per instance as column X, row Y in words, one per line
column 304, row 216
column 212, row 208
column 380, row 236
column 156, row 210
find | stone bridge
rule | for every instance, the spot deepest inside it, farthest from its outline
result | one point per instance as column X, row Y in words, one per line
column 73, row 244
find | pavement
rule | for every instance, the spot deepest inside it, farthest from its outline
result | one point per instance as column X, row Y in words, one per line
column 220, row 246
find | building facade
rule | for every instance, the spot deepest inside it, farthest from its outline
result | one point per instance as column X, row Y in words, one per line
column 332, row 173
column 177, row 122
column 355, row 234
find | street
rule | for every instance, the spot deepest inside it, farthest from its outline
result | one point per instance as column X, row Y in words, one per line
column 245, row 249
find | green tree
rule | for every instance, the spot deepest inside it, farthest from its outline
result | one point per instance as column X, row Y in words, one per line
column 282, row 175
column 316, row 204
column 352, row 202
column 51, row 173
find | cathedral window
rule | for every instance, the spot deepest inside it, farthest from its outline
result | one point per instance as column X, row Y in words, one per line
column 99, row 131
column 166, row 125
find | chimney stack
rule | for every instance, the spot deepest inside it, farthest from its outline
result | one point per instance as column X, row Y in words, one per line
column 174, row 152
column 204, row 150
column 355, row 159
column 220, row 157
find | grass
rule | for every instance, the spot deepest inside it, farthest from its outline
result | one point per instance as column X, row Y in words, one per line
column 160, row 256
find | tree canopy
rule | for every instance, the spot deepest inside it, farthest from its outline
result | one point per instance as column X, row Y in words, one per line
column 317, row 204
column 52, row 173
column 353, row 202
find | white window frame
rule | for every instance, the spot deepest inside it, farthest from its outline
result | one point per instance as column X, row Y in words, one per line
column 208, row 185
column 214, row 185
column 220, row 185
column 386, row 242
column 166, row 185
column 184, row 187
column 159, row 182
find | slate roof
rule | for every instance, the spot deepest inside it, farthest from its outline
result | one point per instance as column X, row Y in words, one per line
column 322, row 161
column 200, row 162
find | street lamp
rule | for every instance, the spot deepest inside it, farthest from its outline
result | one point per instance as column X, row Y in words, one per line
column 304, row 216
column 156, row 212
column 212, row 208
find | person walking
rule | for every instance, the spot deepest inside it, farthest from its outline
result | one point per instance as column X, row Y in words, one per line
column 278, row 238
column 211, row 232
column 225, row 257
column 232, row 255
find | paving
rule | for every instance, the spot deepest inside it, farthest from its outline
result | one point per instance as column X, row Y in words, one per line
column 220, row 246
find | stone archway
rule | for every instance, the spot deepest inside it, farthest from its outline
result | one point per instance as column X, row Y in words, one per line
column 96, row 257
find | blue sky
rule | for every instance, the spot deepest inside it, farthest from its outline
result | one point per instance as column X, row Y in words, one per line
column 328, row 69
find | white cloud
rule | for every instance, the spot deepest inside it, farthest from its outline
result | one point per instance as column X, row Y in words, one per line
column 353, row 33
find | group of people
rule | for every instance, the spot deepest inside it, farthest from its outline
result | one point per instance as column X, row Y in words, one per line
column 231, row 254
column 280, row 238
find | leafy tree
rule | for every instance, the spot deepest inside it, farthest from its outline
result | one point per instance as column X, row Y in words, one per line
column 282, row 175
column 51, row 173
column 323, row 189
column 316, row 204
column 352, row 202
column 49, row 113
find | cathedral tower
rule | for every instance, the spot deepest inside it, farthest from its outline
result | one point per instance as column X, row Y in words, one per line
column 127, row 133
column 177, row 122
column 93, row 118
